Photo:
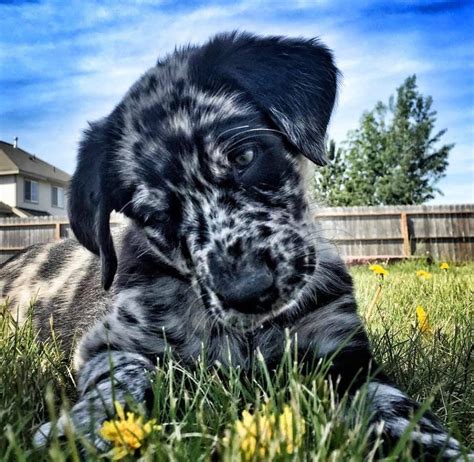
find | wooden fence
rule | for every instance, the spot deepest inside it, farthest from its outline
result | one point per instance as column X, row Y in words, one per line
column 18, row 233
column 444, row 231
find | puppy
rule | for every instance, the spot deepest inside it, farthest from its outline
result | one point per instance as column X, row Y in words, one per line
column 206, row 155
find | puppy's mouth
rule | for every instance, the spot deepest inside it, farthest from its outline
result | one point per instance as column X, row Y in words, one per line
column 238, row 320
column 247, row 316
column 261, row 306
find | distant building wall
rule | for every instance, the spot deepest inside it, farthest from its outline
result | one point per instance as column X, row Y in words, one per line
column 44, row 200
column 8, row 190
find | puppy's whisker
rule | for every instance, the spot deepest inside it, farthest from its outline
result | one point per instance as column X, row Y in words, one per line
column 254, row 131
column 229, row 130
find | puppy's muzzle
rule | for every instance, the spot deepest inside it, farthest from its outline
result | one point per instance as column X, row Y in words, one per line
column 248, row 288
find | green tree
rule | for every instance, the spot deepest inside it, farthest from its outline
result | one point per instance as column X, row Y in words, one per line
column 392, row 158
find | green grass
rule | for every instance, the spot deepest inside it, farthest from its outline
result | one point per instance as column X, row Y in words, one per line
column 197, row 410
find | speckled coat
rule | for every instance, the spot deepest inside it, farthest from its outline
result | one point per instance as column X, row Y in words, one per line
column 207, row 155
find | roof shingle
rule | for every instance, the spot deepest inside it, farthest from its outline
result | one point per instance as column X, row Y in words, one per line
column 16, row 160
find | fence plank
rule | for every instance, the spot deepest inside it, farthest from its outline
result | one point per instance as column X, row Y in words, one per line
column 405, row 234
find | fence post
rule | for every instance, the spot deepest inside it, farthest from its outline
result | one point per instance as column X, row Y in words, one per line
column 405, row 234
column 57, row 231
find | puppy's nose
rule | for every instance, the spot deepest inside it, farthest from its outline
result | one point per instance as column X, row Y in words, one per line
column 243, row 288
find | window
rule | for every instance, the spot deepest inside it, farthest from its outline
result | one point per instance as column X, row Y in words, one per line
column 31, row 191
column 57, row 197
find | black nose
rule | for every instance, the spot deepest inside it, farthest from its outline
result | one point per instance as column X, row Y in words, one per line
column 244, row 288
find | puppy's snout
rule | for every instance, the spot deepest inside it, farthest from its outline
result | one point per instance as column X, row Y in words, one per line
column 244, row 287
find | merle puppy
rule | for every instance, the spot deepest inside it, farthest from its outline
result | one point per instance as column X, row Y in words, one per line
column 206, row 155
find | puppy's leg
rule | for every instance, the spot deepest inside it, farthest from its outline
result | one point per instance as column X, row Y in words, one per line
column 336, row 331
column 106, row 377
column 110, row 365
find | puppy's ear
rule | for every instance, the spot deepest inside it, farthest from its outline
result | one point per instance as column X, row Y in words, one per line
column 294, row 81
column 89, row 205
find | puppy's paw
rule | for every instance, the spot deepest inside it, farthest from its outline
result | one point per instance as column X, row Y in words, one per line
column 77, row 422
column 43, row 435
column 50, row 430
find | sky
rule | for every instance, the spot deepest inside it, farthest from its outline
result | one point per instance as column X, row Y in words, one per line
column 63, row 63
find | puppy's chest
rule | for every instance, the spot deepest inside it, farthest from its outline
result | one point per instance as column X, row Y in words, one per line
column 233, row 347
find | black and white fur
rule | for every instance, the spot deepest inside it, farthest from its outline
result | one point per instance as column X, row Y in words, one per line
column 206, row 156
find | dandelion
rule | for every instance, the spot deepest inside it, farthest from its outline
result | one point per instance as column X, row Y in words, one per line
column 291, row 430
column 382, row 272
column 422, row 274
column 379, row 270
column 444, row 266
column 126, row 434
column 257, row 434
column 254, row 432
column 422, row 320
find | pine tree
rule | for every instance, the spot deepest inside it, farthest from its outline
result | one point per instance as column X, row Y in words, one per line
column 392, row 158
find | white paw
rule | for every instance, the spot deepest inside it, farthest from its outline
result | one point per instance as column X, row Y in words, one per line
column 65, row 425
column 43, row 435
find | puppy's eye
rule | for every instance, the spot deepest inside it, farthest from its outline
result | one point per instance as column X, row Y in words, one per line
column 245, row 158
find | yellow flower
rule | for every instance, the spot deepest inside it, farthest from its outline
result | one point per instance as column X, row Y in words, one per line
column 444, row 266
column 288, row 426
column 254, row 432
column 380, row 270
column 422, row 274
column 422, row 320
column 258, row 433
column 126, row 433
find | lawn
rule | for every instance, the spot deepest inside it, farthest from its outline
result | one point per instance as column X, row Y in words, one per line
column 206, row 414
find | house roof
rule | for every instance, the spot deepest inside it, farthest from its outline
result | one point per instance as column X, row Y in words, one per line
column 9, row 211
column 15, row 161
column 5, row 209
column 33, row 213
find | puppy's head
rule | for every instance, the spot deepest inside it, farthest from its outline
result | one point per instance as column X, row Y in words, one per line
column 205, row 154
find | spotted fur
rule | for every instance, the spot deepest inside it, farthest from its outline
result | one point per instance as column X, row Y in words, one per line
column 219, row 256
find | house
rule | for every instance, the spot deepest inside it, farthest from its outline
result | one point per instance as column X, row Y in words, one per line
column 30, row 186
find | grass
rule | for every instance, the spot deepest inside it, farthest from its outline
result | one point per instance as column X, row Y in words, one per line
column 197, row 410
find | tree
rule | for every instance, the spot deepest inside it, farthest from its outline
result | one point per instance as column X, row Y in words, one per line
column 392, row 158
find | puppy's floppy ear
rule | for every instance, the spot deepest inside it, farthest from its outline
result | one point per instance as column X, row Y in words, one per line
column 294, row 81
column 89, row 205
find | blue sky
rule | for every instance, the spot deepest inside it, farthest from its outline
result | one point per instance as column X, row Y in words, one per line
column 64, row 63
